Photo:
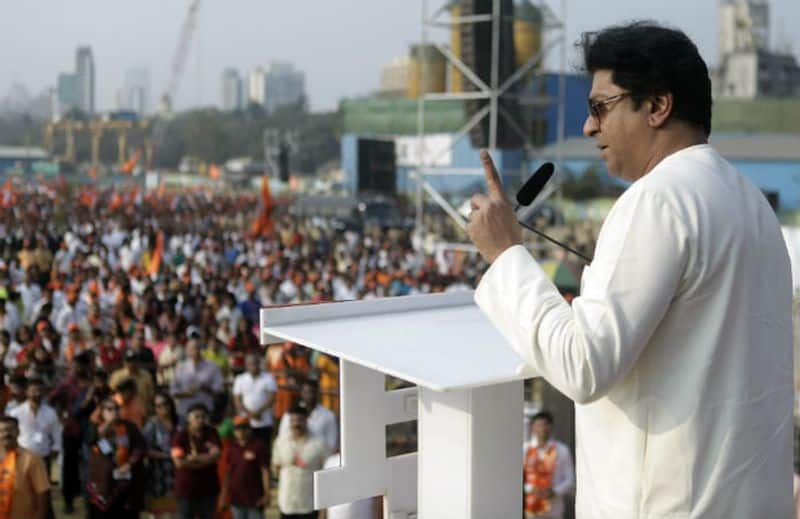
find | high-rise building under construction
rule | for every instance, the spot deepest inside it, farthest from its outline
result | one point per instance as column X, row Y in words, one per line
column 84, row 80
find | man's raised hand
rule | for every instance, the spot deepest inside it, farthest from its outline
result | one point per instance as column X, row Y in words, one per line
column 493, row 224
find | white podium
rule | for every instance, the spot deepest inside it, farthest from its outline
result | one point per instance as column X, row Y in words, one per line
column 469, row 404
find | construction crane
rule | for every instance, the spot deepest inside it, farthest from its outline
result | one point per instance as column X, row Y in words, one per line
column 168, row 97
column 179, row 60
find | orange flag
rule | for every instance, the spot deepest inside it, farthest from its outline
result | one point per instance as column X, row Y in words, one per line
column 9, row 197
column 129, row 165
column 162, row 189
column 158, row 253
column 115, row 202
column 263, row 225
column 214, row 171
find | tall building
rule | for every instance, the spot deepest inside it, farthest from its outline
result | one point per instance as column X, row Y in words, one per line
column 135, row 94
column 66, row 92
column 284, row 86
column 748, row 68
column 256, row 86
column 84, row 80
column 232, row 95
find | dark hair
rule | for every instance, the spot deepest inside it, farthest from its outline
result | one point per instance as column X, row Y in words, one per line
column 299, row 409
column 126, row 385
column 18, row 380
column 647, row 59
column 543, row 415
column 173, row 411
column 34, row 381
column 197, row 407
column 312, row 383
column 9, row 420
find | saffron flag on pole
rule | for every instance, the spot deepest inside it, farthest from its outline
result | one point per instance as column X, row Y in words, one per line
column 129, row 165
column 214, row 172
column 158, row 253
column 263, row 225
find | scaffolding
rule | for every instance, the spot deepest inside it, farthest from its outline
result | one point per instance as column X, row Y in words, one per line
column 492, row 92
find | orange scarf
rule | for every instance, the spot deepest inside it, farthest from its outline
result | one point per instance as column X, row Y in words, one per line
column 123, row 453
column 8, row 480
column 539, row 474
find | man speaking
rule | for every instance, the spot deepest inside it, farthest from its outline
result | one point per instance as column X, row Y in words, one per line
column 678, row 352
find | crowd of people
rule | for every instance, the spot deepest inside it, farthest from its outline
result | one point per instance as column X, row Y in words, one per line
column 130, row 350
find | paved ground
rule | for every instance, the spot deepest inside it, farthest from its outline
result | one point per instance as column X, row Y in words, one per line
column 58, row 505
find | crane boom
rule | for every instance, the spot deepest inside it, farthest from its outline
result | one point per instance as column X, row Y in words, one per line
column 179, row 60
column 167, row 98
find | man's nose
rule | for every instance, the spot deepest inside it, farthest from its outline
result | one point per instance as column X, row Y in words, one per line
column 590, row 127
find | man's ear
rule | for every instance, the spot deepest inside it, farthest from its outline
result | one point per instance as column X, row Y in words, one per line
column 660, row 109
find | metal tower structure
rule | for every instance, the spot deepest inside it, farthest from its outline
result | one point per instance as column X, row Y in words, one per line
column 493, row 91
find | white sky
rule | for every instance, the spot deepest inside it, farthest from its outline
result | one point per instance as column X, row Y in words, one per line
column 339, row 44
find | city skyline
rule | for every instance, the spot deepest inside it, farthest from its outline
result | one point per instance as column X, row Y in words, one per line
column 339, row 60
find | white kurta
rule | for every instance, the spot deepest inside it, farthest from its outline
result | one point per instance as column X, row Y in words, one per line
column 678, row 353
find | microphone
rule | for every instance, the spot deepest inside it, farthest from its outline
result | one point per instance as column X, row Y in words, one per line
column 528, row 193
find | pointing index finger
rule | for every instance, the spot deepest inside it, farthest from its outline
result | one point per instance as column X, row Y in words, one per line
column 492, row 177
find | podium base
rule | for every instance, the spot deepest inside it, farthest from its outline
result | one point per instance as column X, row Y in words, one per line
column 470, row 452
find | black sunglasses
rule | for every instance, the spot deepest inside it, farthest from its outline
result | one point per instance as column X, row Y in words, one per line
column 598, row 109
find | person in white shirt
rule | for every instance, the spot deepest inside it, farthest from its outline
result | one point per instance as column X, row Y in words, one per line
column 16, row 393
column 678, row 352
column 295, row 457
column 8, row 321
column 321, row 420
column 39, row 427
column 73, row 311
column 548, row 472
column 253, row 394
column 30, row 292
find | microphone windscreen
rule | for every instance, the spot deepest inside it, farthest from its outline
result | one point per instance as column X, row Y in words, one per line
column 528, row 192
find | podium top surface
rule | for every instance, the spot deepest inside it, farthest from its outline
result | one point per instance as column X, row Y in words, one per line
column 441, row 341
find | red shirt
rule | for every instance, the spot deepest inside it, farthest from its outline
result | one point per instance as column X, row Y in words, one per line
column 196, row 483
column 246, row 485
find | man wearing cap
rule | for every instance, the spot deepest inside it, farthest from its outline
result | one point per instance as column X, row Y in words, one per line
column 132, row 370
column 246, row 484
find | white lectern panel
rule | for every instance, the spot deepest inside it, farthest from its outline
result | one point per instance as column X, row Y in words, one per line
column 441, row 341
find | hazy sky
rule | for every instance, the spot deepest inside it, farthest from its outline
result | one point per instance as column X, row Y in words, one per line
column 339, row 44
